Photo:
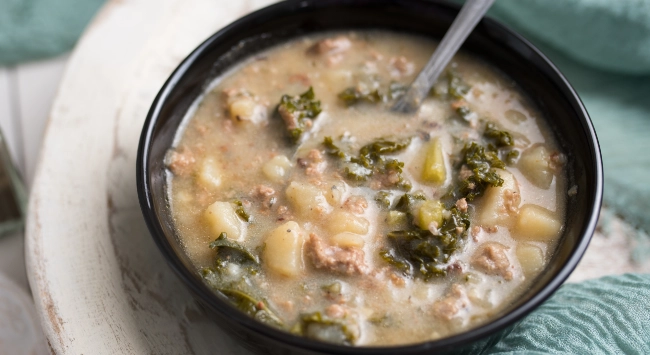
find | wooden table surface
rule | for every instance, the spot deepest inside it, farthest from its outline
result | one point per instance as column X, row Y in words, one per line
column 99, row 283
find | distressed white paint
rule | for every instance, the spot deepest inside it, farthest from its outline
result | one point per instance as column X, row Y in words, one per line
column 99, row 283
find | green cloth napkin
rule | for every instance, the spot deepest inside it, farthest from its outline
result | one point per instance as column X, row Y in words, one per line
column 605, row 316
column 34, row 29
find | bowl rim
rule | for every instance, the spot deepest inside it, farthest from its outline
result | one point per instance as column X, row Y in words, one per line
column 210, row 299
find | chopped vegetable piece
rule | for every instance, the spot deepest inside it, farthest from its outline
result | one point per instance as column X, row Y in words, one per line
column 371, row 161
column 297, row 111
column 464, row 112
column 457, row 88
column 241, row 212
column 430, row 212
column 500, row 138
column 481, row 163
column 434, row 164
column 252, row 307
column 396, row 218
column 407, row 201
column 383, row 199
column 426, row 252
column 512, row 157
column 353, row 95
column 229, row 251
column 316, row 326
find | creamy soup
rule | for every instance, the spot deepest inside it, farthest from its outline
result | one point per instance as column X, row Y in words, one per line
column 302, row 199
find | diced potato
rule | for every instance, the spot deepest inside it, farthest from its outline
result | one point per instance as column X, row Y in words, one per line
column 209, row 174
column 531, row 259
column 283, row 250
column 335, row 193
column 242, row 109
column 494, row 204
column 277, row 169
column 430, row 211
column 434, row 169
column 537, row 223
column 348, row 240
column 221, row 218
column 534, row 164
column 342, row 221
column 396, row 218
column 307, row 200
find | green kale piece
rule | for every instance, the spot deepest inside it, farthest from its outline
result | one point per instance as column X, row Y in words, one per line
column 296, row 110
column 512, row 156
column 424, row 254
column 383, row 199
column 229, row 251
column 500, row 138
column 371, row 160
column 352, row 96
column 457, row 88
column 482, row 163
column 252, row 307
column 464, row 112
column 407, row 201
column 318, row 327
column 241, row 212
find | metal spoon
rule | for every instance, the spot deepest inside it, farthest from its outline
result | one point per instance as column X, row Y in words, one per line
column 468, row 17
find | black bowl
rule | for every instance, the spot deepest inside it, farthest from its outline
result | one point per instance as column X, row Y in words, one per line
column 490, row 41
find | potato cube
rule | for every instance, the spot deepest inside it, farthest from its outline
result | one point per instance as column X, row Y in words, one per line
column 531, row 259
column 499, row 203
column 534, row 164
column 348, row 240
column 307, row 200
column 434, row 169
column 283, row 250
column 221, row 218
column 209, row 174
column 242, row 109
column 277, row 169
column 430, row 211
column 335, row 193
column 537, row 223
column 342, row 221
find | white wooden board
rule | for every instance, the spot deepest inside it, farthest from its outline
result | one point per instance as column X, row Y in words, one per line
column 99, row 283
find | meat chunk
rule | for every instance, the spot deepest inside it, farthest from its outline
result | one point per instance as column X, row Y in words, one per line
column 451, row 304
column 181, row 161
column 462, row 205
column 491, row 258
column 511, row 201
column 313, row 163
column 290, row 118
column 400, row 66
column 356, row 204
column 331, row 46
column 265, row 194
column 340, row 260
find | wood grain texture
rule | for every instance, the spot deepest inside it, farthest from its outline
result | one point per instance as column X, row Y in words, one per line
column 98, row 280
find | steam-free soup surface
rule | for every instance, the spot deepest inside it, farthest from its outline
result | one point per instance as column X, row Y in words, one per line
column 302, row 199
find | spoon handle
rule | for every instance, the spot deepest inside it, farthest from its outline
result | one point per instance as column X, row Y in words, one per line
column 468, row 17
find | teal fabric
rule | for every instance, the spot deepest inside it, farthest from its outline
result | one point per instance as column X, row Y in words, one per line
column 605, row 316
column 34, row 29
column 584, row 37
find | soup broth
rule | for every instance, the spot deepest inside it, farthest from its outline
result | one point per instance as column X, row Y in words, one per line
column 306, row 202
